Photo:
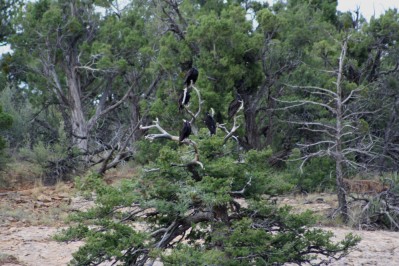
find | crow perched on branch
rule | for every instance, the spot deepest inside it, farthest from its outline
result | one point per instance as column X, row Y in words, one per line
column 184, row 98
column 234, row 106
column 186, row 130
column 192, row 75
column 210, row 122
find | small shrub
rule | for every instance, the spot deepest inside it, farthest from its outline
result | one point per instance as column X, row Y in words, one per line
column 318, row 174
column 56, row 160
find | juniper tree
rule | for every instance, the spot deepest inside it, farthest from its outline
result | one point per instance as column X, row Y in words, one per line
column 92, row 67
column 199, row 201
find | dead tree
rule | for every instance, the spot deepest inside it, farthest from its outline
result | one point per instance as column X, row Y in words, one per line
column 341, row 137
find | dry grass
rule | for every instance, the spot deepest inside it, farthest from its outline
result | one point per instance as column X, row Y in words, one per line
column 29, row 214
column 20, row 175
column 60, row 187
column 39, row 205
column 115, row 175
column 8, row 259
column 321, row 204
column 316, row 202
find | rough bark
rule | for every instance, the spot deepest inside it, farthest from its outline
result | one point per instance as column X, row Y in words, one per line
column 339, row 160
column 78, row 121
column 251, row 126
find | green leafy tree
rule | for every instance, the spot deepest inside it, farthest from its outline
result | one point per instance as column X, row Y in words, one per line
column 205, row 200
column 93, row 69
column 8, row 9
column 5, row 123
column 378, row 67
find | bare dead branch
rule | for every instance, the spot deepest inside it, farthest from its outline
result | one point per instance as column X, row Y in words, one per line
column 351, row 95
column 234, row 127
column 316, row 143
column 310, row 156
column 303, row 102
column 164, row 134
column 332, row 93
column 360, row 114
column 168, row 231
column 101, row 112
column 242, row 191
column 152, row 170
column 196, row 160
column 318, row 124
column 200, row 102
column 353, row 164
column 319, row 130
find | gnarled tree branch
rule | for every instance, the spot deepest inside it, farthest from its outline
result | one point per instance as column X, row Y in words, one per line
column 234, row 127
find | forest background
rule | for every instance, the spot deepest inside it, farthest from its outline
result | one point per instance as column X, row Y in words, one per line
column 86, row 91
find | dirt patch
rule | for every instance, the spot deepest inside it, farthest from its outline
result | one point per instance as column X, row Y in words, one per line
column 34, row 246
column 29, row 219
column 375, row 248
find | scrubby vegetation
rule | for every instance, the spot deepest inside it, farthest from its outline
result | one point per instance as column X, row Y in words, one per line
column 89, row 86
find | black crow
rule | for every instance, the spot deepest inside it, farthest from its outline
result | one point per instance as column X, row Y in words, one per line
column 186, row 130
column 234, row 106
column 191, row 76
column 210, row 122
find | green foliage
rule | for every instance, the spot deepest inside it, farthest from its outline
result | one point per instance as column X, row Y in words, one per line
column 8, row 9
column 255, row 245
column 107, row 245
column 267, row 20
column 318, row 174
column 6, row 121
column 168, row 193
column 20, row 110
column 148, row 152
column 41, row 153
column 55, row 158
column 146, row 48
column 89, row 183
column 186, row 255
column 210, row 192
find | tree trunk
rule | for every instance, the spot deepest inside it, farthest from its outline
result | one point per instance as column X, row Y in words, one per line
column 135, row 117
column 271, row 104
column 251, row 126
column 339, row 160
column 341, row 193
column 78, row 121
column 339, row 156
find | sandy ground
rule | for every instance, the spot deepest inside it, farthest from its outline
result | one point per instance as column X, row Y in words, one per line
column 375, row 248
column 28, row 221
column 26, row 237
column 34, row 246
